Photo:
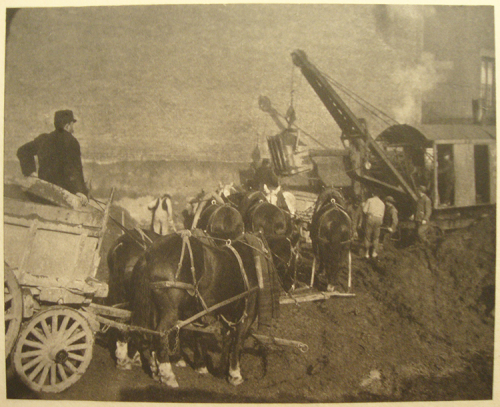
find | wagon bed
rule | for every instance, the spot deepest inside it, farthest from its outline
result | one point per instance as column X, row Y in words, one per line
column 54, row 248
column 51, row 254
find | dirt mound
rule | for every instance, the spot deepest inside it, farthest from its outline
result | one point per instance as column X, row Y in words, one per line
column 419, row 328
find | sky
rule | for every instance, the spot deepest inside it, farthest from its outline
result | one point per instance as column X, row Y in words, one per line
column 183, row 81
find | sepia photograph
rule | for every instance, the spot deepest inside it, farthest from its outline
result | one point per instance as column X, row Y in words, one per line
column 249, row 203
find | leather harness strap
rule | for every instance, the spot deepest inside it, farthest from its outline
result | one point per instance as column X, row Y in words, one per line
column 192, row 289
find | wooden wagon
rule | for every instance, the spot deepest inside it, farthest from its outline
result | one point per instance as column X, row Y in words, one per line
column 52, row 251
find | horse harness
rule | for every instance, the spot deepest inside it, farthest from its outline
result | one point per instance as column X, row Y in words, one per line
column 336, row 207
column 192, row 289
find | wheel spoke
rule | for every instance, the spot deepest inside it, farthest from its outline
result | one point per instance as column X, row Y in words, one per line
column 32, row 362
column 64, row 323
column 54, row 324
column 45, row 328
column 70, row 366
column 74, row 356
column 76, row 337
column 79, row 346
column 39, row 335
column 70, row 331
column 53, row 374
column 45, row 372
column 37, row 370
column 31, row 353
column 62, row 372
column 34, row 344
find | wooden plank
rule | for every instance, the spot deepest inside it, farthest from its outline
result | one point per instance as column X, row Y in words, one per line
column 87, row 216
column 282, row 342
column 44, row 225
column 48, row 191
column 78, row 252
column 314, row 297
column 28, row 246
column 110, row 311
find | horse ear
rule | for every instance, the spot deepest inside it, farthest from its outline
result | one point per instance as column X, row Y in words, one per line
column 266, row 189
column 221, row 185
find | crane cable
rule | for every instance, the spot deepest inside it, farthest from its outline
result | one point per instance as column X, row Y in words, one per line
column 362, row 102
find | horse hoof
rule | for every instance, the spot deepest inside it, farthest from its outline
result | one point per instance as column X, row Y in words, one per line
column 136, row 360
column 124, row 364
column 181, row 363
column 235, row 381
column 202, row 370
column 170, row 382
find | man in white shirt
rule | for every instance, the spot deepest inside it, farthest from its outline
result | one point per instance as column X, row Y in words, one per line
column 374, row 210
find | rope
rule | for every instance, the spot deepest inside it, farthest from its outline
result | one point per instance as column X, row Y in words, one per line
column 358, row 98
column 142, row 243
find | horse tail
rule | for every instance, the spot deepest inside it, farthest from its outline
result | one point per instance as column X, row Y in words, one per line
column 141, row 301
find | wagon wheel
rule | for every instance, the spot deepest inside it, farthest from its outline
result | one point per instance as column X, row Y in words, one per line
column 13, row 308
column 54, row 350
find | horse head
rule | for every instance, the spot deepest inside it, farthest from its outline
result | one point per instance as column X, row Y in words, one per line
column 217, row 218
column 225, row 190
column 282, row 199
column 278, row 228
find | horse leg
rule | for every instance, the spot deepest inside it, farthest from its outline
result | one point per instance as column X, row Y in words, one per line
column 235, row 377
column 165, row 372
column 123, row 362
column 331, row 269
column 230, row 358
column 200, row 355
column 227, row 339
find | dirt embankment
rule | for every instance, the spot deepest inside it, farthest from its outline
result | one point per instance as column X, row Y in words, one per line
column 419, row 328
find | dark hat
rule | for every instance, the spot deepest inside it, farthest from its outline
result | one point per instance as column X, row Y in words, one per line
column 62, row 118
column 390, row 199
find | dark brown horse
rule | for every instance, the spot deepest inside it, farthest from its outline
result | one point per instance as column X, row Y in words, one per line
column 183, row 274
column 277, row 227
column 121, row 259
column 217, row 218
column 331, row 239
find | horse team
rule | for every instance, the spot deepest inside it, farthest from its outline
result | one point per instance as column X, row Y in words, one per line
column 237, row 253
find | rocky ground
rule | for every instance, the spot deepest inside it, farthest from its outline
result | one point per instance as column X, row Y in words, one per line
column 418, row 328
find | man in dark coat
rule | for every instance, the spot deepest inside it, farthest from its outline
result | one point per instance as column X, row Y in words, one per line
column 390, row 222
column 59, row 158
column 446, row 180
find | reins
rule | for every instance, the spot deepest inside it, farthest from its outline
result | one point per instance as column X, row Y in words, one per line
column 192, row 288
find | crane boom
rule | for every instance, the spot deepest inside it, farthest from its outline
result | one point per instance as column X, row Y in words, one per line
column 353, row 131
